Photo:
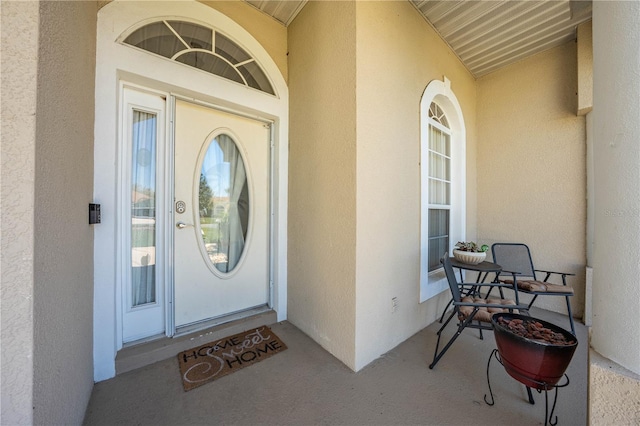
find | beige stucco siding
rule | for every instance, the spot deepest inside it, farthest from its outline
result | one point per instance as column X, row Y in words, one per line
column 584, row 35
column 356, row 82
column 531, row 165
column 616, row 142
column 322, row 176
column 398, row 54
column 63, row 278
column 47, row 269
column 19, row 83
column 614, row 393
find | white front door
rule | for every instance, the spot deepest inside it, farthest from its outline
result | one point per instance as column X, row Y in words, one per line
column 221, row 213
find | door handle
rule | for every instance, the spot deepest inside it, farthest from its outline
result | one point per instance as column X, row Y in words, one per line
column 182, row 225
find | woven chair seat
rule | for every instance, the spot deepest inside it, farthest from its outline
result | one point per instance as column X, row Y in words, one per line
column 483, row 314
column 540, row 286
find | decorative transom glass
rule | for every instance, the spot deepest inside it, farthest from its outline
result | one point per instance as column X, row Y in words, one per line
column 202, row 48
column 436, row 113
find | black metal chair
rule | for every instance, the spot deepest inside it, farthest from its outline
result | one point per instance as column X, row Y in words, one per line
column 515, row 259
column 472, row 309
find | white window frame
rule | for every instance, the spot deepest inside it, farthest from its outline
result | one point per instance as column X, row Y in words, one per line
column 434, row 283
column 186, row 48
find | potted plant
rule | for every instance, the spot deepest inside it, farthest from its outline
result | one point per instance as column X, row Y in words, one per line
column 470, row 252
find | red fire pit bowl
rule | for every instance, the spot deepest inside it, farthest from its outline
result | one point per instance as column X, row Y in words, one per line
column 536, row 364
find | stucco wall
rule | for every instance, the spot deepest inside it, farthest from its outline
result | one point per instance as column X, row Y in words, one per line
column 355, row 191
column 63, row 280
column 19, row 78
column 616, row 124
column 585, row 67
column 322, row 175
column 398, row 54
column 614, row 393
column 532, row 165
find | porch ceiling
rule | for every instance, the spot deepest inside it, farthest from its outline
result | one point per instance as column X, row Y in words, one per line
column 485, row 34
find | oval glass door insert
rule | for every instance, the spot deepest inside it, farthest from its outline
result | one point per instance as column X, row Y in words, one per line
column 223, row 198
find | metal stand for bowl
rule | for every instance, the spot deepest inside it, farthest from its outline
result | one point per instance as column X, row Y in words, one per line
column 548, row 417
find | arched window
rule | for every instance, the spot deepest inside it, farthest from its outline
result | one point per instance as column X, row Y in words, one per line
column 202, row 48
column 439, row 178
column 443, row 209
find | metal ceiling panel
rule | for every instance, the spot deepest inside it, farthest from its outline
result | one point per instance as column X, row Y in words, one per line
column 489, row 34
column 485, row 34
column 283, row 11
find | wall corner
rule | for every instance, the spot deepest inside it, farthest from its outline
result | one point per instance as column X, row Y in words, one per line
column 585, row 68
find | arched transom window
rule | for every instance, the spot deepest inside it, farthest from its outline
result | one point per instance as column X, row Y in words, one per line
column 436, row 114
column 203, row 48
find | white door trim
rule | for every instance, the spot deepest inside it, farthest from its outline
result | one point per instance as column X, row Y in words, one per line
column 116, row 63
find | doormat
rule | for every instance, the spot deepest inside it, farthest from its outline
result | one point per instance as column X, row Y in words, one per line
column 209, row 362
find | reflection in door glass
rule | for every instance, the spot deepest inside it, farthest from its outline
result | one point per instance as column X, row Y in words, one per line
column 143, row 209
column 224, row 203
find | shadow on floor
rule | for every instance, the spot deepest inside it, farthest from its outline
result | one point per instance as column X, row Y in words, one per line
column 305, row 385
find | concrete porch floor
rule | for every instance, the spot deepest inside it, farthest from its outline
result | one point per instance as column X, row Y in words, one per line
column 305, row 385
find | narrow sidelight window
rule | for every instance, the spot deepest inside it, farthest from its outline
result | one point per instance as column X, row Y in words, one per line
column 143, row 208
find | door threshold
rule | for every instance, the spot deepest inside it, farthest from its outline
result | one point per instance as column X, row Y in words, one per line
column 148, row 352
column 215, row 322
